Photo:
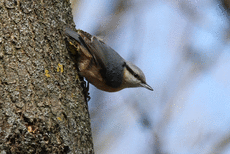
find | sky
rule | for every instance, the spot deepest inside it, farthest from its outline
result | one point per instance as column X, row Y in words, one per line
column 183, row 49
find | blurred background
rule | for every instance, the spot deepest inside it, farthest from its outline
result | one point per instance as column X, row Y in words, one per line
column 183, row 48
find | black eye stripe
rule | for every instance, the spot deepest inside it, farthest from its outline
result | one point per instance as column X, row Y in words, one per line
column 132, row 72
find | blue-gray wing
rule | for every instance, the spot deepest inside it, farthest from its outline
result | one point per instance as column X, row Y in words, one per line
column 110, row 62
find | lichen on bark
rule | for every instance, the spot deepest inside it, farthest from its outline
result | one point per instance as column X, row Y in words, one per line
column 42, row 110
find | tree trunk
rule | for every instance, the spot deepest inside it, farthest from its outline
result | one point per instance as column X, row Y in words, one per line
column 42, row 105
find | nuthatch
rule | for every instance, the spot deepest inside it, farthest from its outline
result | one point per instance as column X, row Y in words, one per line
column 102, row 66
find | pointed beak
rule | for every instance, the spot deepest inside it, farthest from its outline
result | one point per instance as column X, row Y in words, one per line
column 145, row 85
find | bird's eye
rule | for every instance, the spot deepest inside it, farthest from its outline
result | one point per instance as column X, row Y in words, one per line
column 136, row 76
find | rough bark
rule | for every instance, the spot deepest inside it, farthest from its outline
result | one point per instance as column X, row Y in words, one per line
column 42, row 105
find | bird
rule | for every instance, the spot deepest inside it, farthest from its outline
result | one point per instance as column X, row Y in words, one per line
column 101, row 65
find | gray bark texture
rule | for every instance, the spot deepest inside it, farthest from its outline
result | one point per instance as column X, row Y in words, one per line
column 42, row 105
